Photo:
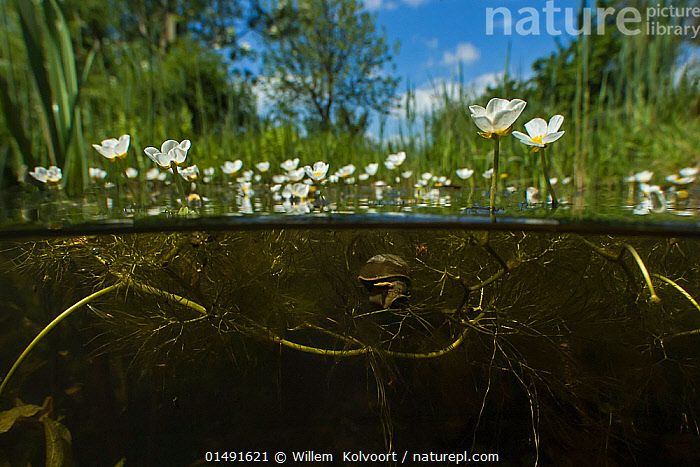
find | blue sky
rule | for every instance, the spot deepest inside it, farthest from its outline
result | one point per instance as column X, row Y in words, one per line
column 437, row 35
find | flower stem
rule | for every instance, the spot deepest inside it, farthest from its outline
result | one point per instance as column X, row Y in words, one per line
column 494, row 181
column 53, row 324
column 180, row 187
column 545, row 169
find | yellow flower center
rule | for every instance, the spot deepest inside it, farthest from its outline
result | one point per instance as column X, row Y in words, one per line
column 538, row 139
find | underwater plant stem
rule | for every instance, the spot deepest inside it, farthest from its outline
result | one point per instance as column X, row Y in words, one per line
column 545, row 169
column 363, row 350
column 494, row 180
column 53, row 324
column 170, row 296
column 643, row 268
column 679, row 288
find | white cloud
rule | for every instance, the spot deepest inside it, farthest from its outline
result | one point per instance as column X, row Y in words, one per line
column 373, row 5
column 465, row 53
column 432, row 43
column 415, row 3
column 429, row 96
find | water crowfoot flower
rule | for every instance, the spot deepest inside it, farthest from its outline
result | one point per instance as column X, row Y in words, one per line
column 540, row 135
column 170, row 151
column 317, row 173
column 171, row 155
column 496, row 121
column 52, row 175
column 114, row 149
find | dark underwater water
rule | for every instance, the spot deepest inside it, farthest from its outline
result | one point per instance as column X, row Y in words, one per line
column 541, row 345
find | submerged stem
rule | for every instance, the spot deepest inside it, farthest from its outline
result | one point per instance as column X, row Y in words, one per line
column 53, row 324
column 643, row 268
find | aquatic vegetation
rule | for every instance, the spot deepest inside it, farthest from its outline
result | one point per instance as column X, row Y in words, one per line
column 171, row 153
column 317, row 172
column 541, row 135
column 496, row 121
column 526, row 316
column 113, row 149
column 52, row 175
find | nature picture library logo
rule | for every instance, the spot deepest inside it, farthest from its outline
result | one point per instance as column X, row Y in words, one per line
column 630, row 21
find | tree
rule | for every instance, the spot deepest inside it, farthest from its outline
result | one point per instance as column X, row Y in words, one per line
column 324, row 60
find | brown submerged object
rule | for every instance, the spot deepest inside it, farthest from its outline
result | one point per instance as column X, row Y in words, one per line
column 387, row 279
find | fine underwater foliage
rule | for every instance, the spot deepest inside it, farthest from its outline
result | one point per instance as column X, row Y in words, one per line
column 496, row 121
column 586, row 333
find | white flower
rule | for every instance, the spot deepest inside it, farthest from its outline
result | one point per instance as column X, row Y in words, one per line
column 426, row 176
column 497, row 118
column 643, row 177
column 170, row 151
column 97, row 174
column 464, row 173
column 132, row 172
column 290, row 164
column 153, row 174
column 190, row 173
column 295, row 191
column 371, row 169
column 51, row 175
column 678, row 180
column 396, row 159
column 114, row 149
column 689, row 171
column 363, row 177
column 540, row 133
column 407, row 174
column 346, row 171
column 263, row 166
column 389, row 165
column 279, row 179
column 209, row 171
column 532, row 195
column 296, row 175
column 318, row 171
column 230, row 168
column 488, row 173
column 246, row 189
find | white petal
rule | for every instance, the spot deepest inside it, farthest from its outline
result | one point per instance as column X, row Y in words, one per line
column 555, row 123
column 106, row 151
column 109, row 142
column 536, row 127
column 522, row 136
column 483, row 123
column 495, row 106
column 168, row 145
column 552, row 137
column 477, row 111
column 504, row 119
column 185, row 145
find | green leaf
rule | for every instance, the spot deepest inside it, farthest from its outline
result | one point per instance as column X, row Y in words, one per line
column 9, row 417
column 58, row 444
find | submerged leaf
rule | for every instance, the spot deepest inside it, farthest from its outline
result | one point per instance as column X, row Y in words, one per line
column 9, row 417
column 58, row 444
